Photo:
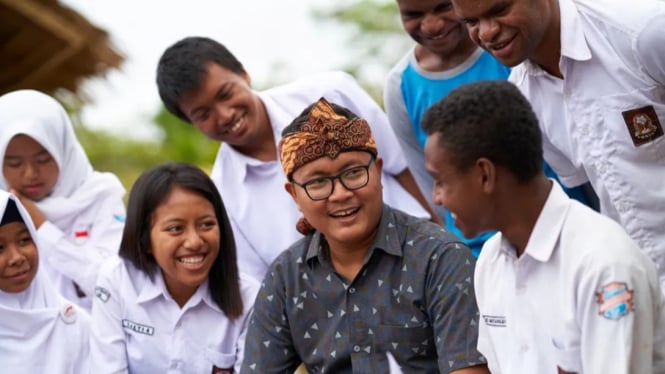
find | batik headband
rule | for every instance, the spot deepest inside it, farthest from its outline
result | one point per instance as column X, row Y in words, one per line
column 324, row 133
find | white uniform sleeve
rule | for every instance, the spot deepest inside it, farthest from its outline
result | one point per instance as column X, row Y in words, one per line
column 349, row 94
column 108, row 352
column 614, row 308
column 650, row 48
column 81, row 262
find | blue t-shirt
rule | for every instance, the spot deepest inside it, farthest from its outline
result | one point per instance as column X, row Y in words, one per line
column 420, row 91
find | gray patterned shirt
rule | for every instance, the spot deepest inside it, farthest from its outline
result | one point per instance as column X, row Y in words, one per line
column 413, row 298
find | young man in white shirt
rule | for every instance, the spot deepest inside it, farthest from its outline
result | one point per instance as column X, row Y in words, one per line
column 202, row 83
column 559, row 285
column 594, row 73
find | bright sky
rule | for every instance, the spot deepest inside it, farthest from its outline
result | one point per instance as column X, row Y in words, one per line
column 263, row 34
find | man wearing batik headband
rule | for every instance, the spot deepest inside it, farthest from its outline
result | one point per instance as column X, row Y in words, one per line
column 367, row 282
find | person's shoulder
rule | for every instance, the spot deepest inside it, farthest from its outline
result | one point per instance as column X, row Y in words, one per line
column 294, row 255
column 249, row 288
column 423, row 233
column 591, row 237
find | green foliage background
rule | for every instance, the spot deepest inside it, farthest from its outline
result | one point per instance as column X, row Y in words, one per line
column 376, row 41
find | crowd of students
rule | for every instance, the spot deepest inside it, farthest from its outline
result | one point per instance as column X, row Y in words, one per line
column 504, row 216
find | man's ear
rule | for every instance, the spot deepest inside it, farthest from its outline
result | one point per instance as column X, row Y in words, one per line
column 486, row 174
column 291, row 189
column 246, row 77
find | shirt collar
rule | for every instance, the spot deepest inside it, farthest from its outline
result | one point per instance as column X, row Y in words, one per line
column 387, row 238
column 573, row 42
column 545, row 234
column 152, row 289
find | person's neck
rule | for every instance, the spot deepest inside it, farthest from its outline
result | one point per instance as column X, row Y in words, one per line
column 263, row 147
column 523, row 212
column 430, row 61
column 548, row 53
column 348, row 259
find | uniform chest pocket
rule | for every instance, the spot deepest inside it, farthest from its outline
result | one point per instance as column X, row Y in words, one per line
column 634, row 123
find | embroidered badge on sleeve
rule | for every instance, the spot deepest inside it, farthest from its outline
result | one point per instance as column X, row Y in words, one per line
column 615, row 300
column 643, row 124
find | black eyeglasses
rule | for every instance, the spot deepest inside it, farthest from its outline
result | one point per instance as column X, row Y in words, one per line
column 321, row 188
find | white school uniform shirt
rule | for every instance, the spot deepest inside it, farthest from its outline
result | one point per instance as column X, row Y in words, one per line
column 263, row 215
column 594, row 120
column 137, row 327
column 582, row 297
column 84, row 213
column 40, row 331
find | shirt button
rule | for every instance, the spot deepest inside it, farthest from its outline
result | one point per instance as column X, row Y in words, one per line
column 356, row 348
column 521, row 288
column 524, row 348
column 352, row 290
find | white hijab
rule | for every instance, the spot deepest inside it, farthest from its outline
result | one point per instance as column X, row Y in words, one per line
column 38, row 325
column 42, row 118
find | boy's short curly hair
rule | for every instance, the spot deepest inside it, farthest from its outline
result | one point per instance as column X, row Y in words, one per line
column 492, row 120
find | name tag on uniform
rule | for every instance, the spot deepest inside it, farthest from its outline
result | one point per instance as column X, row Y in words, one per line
column 495, row 321
column 137, row 327
column 643, row 124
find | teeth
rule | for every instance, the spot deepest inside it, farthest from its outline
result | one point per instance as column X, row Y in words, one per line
column 236, row 125
column 344, row 213
column 191, row 259
column 499, row 46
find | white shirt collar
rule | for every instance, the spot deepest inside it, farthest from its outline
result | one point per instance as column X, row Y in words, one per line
column 545, row 234
column 573, row 41
column 153, row 289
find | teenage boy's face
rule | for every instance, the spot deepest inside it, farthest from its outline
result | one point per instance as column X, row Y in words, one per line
column 18, row 257
column 346, row 218
column 434, row 25
column 184, row 240
column 29, row 168
column 458, row 191
column 223, row 107
column 511, row 30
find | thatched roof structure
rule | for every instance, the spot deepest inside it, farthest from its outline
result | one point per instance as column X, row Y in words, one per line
column 47, row 46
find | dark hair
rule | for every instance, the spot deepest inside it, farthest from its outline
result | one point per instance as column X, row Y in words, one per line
column 183, row 66
column 148, row 192
column 490, row 119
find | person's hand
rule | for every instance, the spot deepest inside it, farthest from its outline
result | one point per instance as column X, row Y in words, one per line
column 35, row 214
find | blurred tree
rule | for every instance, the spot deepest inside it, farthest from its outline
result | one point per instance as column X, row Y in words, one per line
column 128, row 158
column 376, row 39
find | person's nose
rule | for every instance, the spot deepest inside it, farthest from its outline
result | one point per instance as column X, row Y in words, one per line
column 339, row 192
column 488, row 30
column 431, row 24
column 193, row 241
column 31, row 170
column 16, row 257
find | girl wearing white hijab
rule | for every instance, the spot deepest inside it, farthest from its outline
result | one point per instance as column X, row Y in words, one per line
column 78, row 212
column 40, row 331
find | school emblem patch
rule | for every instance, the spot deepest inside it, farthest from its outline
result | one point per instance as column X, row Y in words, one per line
column 615, row 300
column 643, row 124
